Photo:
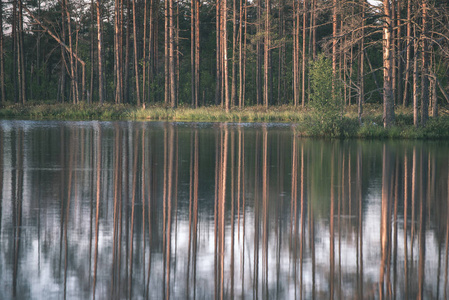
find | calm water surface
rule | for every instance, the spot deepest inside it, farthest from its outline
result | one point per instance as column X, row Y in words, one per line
column 111, row 210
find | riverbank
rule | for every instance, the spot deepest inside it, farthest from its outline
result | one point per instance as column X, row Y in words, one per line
column 345, row 127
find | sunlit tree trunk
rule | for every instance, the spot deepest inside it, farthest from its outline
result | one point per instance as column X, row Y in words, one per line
column 224, row 45
column 388, row 114
column 234, row 54
column 127, row 54
column 144, row 54
column 166, row 54
column 304, row 56
column 173, row 100
column 259, row 53
column 267, row 67
column 415, row 79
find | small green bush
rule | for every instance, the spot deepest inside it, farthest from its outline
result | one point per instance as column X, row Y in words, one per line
column 325, row 102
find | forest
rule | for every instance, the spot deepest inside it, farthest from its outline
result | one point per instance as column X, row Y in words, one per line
column 317, row 53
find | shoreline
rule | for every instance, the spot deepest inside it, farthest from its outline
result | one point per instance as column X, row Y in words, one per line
column 346, row 126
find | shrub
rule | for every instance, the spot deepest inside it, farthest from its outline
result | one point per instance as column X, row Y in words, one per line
column 325, row 102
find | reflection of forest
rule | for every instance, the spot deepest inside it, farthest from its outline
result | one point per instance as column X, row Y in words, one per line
column 162, row 210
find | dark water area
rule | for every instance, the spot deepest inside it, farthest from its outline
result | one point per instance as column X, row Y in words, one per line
column 117, row 210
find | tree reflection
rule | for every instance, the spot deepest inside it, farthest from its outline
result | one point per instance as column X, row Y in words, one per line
column 259, row 211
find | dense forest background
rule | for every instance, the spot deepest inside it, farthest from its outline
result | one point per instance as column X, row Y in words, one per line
column 229, row 52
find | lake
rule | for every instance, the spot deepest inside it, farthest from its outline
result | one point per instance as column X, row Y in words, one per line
column 116, row 210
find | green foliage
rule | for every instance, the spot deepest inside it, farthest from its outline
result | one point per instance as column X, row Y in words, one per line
column 325, row 102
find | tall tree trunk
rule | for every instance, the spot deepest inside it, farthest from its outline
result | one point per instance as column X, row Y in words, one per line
column 408, row 64
column 399, row 52
column 117, row 52
column 415, row 79
column 304, row 57
column 144, row 55
column 361, row 67
column 295, row 52
column 197, row 52
column 234, row 54
column 2, row 61
column 334, row 43
column 281, row 52
column 101, row 95
column 73, row 91
column 166, row 54
column 218, row 75
column 259, row 53
column 63, row 59
column 136, row 59
column 173, row 87
column 388, row 114
column 425, row 66
column 192, row 51
column 14, row 47
column 266, row 71
column 92, row 51
column 127, row 54
column 225, row 55
column 21, row 57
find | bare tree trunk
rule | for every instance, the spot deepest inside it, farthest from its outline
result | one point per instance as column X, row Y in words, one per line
column 192, row 50
column 100, row 54
column 63, row 59
column 408, row 55
column 225, row 56
column 281, row 51
column 21, row 57
column 92, row 51
column 144, row 55
column 399, row 52
column 117, row 56
column 197, row 51
column 136, row 59
column 166, row 54
column 259, row 54
column 334, row 43
column 2, row 61
column 127, row 54
column 14, row 47
column 266, row 85
column 425, row 66
column 296, row 53
column 415, row 79
column 361, row 66
column 73, row 93
column 388, row 114
column 173, row 99
column 218, row 99
column 304, row 56
column 234, row 54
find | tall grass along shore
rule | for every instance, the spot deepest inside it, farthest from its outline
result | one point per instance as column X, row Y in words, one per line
column 347, row 126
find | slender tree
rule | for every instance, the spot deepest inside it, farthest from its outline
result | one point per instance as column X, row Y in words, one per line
column 101, row 85
column 2, row 61
column 173, row 100
column 136, row 58
column 267, row 44
column 425, row 64
column 388, row 114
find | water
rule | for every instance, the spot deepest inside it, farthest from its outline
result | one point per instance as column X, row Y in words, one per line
column 182, row 210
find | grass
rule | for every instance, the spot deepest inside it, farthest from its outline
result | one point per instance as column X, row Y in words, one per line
column 346, row 127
